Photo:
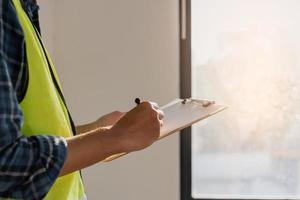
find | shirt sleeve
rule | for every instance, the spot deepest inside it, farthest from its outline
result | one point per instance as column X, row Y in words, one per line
column 28, row 165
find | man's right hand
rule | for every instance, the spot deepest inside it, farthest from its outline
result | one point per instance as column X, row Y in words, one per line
column 138, row 128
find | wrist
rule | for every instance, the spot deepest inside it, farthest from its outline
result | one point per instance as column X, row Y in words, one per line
column 111, row 141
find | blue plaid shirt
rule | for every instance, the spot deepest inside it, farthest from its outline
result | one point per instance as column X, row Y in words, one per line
column 28, row 165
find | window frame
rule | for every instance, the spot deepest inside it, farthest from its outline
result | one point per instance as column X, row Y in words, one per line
column 186, row 92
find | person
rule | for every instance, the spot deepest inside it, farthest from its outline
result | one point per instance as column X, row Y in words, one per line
column 41, row 150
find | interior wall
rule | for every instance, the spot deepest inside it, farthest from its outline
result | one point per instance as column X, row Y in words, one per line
column 47, row 23
column 106, row 54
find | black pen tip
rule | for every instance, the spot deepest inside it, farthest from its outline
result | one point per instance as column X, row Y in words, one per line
column 137, row 101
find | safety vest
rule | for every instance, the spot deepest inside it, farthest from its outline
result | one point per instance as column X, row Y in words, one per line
column 43, row 106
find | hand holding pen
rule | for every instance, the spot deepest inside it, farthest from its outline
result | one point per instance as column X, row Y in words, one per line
column 155, row 106
column 139, row 127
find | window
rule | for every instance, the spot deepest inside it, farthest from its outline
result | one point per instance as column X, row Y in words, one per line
column 245, row 54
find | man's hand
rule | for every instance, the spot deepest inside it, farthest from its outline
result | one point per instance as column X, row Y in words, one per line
column 109, row 119
column 136, row 130
column 139, row 128
column 104, row 121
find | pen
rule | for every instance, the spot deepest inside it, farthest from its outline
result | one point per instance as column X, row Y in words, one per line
column 137, row 101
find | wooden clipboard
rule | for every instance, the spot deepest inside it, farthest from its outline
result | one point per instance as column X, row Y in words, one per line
column 182, row 113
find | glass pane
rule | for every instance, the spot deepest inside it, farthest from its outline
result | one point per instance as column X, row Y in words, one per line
column 246, row 54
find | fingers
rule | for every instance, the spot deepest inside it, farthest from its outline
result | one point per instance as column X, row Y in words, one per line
column 117, row 114
column 155, row 107
column 160, row 113
column 161, row 123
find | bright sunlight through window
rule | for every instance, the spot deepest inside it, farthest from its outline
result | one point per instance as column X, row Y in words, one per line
column 246, row 54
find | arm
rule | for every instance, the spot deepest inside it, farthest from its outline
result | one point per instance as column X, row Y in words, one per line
column 107, row 120
column 136, row 130
column 89, row 148
column 28, row 165
column 104, row 121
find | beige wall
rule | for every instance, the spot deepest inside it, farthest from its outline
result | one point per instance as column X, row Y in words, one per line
column 107, row 53
column 47, row 22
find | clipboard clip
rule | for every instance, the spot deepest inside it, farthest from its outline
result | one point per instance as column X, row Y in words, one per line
column 204, row 103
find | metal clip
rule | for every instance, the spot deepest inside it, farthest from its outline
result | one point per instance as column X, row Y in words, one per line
column 204, row 103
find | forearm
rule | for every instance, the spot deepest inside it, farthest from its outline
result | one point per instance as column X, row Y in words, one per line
column 84, row 128
column 89, row 148
column 136, row 130
column 107, row 120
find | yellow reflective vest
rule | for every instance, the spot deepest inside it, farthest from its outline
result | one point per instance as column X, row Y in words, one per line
column 43, row 106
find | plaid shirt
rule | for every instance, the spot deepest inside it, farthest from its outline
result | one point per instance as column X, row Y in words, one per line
column 28, row 165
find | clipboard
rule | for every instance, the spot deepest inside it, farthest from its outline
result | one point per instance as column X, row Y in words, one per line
column 180, row 114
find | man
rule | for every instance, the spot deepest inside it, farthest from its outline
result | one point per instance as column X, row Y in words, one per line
column 40, row 155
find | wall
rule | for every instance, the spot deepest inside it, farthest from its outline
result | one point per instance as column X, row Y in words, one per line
column 47, row 22
column 107, row 53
